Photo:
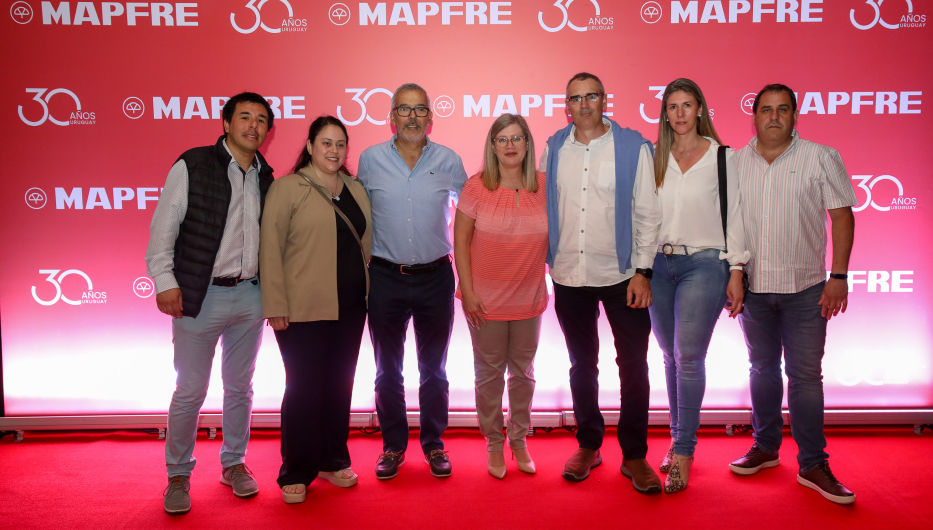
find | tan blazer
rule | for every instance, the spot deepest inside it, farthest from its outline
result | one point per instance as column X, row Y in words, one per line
column 298, row 249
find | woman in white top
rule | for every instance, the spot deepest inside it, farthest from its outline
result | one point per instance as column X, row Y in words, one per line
column 696, row 269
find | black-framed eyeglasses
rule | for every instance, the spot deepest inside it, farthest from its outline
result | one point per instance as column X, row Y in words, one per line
column 503, row 140
column 592, row 97
column 420, row 111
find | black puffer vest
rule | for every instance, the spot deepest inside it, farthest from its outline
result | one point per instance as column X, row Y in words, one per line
column 203, row 227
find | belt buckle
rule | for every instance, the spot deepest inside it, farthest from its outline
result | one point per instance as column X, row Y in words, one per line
column 667, row 249
column 401, row 270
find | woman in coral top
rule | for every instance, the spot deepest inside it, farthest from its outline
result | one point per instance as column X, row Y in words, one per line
column 500, row 243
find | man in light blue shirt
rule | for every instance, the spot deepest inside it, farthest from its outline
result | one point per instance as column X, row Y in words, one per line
column 410, row 181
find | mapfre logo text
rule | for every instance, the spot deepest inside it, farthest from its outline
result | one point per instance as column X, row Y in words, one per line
column 157, row 14
column 94, row 198
column 738, row 11
column 211, row 108
column 424, row 13
column 844, row 102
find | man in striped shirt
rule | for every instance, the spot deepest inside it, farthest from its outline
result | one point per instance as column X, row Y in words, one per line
column 788, row 184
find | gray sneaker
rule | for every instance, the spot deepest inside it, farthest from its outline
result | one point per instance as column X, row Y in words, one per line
column 241, row 479
column 177, row 501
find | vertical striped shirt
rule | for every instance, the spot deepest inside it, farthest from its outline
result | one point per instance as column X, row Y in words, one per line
column 784, row 208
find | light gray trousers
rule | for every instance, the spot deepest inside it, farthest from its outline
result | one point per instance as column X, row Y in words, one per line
column 498, row 345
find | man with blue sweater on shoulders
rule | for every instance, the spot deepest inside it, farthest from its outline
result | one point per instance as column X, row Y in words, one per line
column 603, row 223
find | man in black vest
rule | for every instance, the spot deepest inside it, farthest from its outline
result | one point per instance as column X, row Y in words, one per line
column 203, row 254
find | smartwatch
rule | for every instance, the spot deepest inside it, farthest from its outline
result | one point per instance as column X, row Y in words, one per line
column 644, row 272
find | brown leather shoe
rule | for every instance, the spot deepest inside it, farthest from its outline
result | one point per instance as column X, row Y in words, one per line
column 822, row 480
column 754, row 461
column 644, row 479
column 580, row 464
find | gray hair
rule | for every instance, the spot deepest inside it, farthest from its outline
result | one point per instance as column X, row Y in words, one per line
column 406, row 87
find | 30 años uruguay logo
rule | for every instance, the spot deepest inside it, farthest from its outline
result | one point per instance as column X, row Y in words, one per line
column 61, row 112
column 580, row 19
column 71, row 292
column 895, row 14
column 281, row 18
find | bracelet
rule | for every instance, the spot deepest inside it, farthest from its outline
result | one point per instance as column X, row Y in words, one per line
column 736, row 267
column 838, row 275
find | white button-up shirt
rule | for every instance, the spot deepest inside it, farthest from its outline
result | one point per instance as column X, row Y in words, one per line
column 586, row 185
column 690, row 206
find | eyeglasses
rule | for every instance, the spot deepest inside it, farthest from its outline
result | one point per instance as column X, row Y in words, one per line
column 503, row 140
column 420, row 111
column 592, row 97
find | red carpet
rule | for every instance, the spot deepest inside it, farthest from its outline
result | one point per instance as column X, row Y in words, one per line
column 115, row 479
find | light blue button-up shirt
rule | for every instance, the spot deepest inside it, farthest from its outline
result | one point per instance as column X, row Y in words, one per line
column 411, row 207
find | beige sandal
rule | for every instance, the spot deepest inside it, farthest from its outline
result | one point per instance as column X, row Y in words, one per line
column 345, row 478
column 291, row 494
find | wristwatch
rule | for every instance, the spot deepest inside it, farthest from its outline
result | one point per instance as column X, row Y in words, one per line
column 839, row 275
column 644, row 272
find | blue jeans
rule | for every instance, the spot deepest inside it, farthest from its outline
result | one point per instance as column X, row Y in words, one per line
column 688, row 293
column 234, row 315
column 428, row 300
column 792, row 322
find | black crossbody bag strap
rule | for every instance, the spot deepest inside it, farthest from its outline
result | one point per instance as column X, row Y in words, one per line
column 724, row 202
column 723, row 196
column 327, row 198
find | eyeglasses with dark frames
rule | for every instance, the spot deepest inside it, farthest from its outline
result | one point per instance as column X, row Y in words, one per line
column 420, row 111
column 592, row 97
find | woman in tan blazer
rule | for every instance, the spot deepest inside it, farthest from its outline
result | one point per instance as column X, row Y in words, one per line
column 316, row 242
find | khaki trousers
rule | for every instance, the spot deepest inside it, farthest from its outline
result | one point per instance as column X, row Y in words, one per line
column 498, row 345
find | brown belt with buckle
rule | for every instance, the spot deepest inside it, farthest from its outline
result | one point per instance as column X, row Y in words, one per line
column 408, row 270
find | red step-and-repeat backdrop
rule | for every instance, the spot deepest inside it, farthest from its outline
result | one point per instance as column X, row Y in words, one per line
column 99, row 98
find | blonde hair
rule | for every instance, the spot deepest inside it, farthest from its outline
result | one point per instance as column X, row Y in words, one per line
column 491, row 175
column 705, row 127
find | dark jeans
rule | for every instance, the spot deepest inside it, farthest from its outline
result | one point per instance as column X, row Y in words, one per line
column 577, row 311
column 320, row 364
column 427, row 298
column 790, row 324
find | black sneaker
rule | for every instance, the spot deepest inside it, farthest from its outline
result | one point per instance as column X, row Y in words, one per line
column 439, row 462
column 754, row 461
column 822, row 480
column 388, row 464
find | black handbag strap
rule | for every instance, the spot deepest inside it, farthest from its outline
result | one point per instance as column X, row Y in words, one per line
column 723, row 196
